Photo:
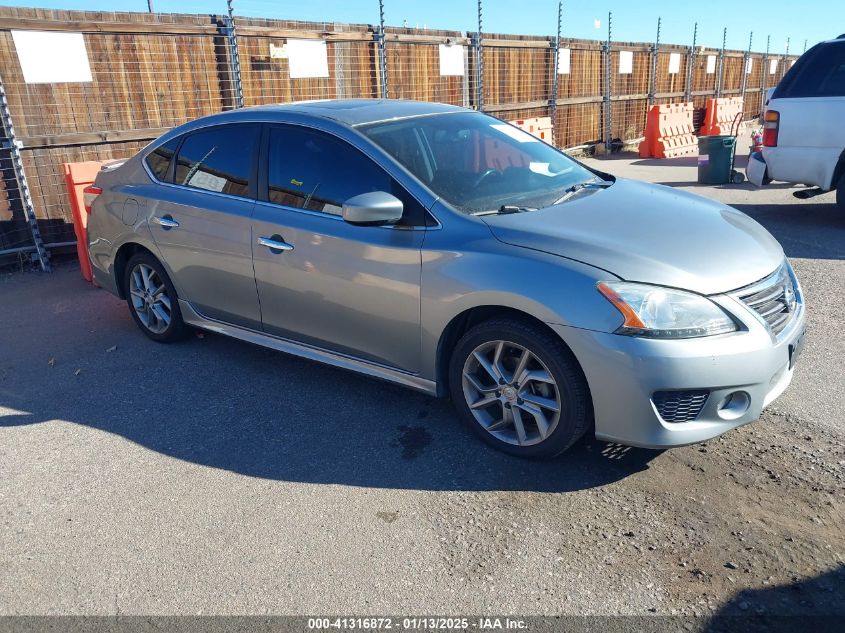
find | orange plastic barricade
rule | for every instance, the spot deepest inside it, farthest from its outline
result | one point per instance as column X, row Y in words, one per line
column 540, row 126
column 669, row 132
column 720, row 116
column 78, row 176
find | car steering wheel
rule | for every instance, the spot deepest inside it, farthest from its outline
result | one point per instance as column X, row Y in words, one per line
column 487, row 173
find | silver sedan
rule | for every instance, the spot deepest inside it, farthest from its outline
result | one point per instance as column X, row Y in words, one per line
column 447, row 251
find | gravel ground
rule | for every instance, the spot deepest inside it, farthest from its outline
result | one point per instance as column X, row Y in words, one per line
column 216, row 477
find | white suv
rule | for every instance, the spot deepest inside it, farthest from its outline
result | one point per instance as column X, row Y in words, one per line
column 803, row 131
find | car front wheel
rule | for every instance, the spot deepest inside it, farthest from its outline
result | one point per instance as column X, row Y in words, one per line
column 520, row 389
column 152, row 299
column 840, row 193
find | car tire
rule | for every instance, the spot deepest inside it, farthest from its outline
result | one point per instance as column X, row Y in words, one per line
column 840, row 193
column 152, row 299
column 505, row 396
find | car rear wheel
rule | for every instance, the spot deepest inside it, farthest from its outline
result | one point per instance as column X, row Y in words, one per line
column 152, row 299
column 840, row 193
column 520, row 389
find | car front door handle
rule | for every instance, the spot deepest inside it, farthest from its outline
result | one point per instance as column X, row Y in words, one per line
column 167, row 222
column 275, row 243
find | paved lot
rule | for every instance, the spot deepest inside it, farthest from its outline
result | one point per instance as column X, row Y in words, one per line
column 216, row 477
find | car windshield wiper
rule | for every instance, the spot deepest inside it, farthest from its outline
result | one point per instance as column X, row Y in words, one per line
column 589, row 184
column 505, row 209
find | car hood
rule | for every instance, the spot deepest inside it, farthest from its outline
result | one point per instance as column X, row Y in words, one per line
column 649, row 233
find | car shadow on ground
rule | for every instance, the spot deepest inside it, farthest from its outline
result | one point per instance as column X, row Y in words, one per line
column 813, row 604
column 809, row 231
column 225, row 404
column 743, row 186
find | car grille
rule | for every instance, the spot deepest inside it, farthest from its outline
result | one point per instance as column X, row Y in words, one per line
column 774, row 299
column 680, row 406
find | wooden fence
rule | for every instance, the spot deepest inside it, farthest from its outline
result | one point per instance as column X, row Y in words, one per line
column 150, row 72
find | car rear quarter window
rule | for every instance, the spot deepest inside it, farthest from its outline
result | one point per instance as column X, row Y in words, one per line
column 159, row 159
column 219, row 159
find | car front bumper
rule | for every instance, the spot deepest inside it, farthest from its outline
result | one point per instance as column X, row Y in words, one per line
column 624, row 372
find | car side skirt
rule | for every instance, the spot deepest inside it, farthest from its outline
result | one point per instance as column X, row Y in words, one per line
column 193, row 318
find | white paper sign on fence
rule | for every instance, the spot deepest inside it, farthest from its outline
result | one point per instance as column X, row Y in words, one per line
column 749, row 64
column 711, row 64
column 773, row 66
column 307, row 59
column 278, row 51
column 674, row 63
column 451, row 60
column 47, row 57
column 564, row 60
column 626, row 62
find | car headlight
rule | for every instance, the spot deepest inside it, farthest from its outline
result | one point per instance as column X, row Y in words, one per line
column 658, row 312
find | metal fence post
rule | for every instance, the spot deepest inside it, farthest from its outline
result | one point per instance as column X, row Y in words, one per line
column 234, row 59
column 608, row 106
column 720, row 78
column 652, row 84
column 479, row 63
column 466, row 95
column 785, row 59
column 745, row 59
column 764, row 86
column 690, row 65
column 382, row 51
column 12, row 145
column 555, row 80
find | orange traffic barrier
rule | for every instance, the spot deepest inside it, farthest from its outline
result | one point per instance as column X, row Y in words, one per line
column 720, row 116
column 669, row 132
column 78, row 176
column 539, row 126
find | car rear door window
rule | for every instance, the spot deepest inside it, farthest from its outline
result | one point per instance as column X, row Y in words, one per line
column 159, row 159
column 219, row 159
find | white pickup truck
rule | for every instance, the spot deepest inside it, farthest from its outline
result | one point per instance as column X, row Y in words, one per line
column 804, row 124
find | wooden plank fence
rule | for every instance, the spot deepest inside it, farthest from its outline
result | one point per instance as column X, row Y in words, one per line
column 151, row 72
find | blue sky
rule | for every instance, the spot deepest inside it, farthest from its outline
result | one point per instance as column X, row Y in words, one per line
column 634, row 20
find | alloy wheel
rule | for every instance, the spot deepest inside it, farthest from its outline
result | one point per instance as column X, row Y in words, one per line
column 150, row 299
column 511, row 393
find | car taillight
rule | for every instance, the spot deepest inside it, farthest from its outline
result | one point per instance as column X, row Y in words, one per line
column 90, row 194
column 771, row 122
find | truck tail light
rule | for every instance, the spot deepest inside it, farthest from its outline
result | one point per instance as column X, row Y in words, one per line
column 90, row 194
column 771, row 122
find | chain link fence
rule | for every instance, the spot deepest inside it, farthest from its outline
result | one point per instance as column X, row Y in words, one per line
column 150, row 72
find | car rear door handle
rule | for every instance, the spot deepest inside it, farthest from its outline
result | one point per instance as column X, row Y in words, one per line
column 275, row 243
column 167, row 222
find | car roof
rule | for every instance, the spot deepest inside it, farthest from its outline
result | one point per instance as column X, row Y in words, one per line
column 835, row 40
column 350, row 112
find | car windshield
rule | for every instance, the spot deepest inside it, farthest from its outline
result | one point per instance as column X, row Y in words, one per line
column 478, row 163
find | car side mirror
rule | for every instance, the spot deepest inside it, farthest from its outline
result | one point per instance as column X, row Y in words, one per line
column 376, row 208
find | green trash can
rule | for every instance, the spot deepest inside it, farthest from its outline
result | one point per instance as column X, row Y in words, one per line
column 715, row 159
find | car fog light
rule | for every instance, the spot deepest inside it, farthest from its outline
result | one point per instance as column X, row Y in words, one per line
column 734, row 405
